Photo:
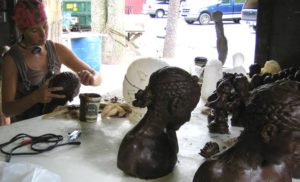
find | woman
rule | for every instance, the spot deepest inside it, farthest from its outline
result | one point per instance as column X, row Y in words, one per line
column 33, row 60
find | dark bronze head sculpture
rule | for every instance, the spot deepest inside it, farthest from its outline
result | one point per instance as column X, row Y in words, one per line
column 220, row 118
column 269, row 147
column 150, row 149
column 71, row 85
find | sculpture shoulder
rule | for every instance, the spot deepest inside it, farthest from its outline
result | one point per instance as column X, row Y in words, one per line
column 210, row 170
column 146, row 157
column 217, row 170
column 143, row 142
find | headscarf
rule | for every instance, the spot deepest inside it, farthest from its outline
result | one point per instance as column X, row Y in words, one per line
column 29, row 13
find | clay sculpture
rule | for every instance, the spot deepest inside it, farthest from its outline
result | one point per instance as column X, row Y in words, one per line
column 268, row 149
column 71, row 85
column 150, row 149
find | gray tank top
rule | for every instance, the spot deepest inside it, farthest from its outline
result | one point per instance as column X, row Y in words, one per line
column 29, row 80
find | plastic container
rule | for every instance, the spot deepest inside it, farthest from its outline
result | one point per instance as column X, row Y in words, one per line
column 89, row 49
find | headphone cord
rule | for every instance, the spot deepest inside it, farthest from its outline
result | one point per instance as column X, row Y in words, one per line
column 38, row 144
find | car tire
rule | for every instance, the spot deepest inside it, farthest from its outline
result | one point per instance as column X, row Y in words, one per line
column 189, row 22
column 236, row 20
column 159, row 13
column 152, row 16
column 254, row 28
column 204, row 19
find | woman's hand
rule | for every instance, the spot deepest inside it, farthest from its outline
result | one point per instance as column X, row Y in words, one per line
column 86, row 77
column 44, row 94
column 4, row 120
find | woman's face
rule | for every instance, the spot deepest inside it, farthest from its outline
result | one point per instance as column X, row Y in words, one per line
column 36, row 35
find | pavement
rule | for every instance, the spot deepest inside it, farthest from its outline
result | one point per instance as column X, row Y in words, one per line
column 150, row 45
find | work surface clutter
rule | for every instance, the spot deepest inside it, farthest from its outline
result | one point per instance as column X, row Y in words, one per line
column 94, row 156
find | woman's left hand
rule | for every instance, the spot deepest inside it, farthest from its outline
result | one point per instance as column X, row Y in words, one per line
column 4, row 120
column 86, row 77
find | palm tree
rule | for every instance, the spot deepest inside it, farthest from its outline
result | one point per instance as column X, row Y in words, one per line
column 169, row 50
column 53, row 8
column 106, row 18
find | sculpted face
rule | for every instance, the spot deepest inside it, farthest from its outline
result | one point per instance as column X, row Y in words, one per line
column 288, row 144
column 182, row 117
column 295, row 145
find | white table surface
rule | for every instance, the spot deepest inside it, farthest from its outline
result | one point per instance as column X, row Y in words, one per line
column 96, row 158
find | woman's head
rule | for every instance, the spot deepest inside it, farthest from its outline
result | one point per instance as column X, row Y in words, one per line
column 173, row 91
column 31, row 19
column 29, row 13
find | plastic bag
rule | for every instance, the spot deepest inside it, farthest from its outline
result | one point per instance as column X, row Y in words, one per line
column 26, row 172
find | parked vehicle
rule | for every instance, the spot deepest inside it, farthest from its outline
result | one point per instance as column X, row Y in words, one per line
column 202, row 10
column 157, row 8
column 249, row 13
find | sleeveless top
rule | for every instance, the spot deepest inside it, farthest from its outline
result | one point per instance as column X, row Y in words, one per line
column 30, row 80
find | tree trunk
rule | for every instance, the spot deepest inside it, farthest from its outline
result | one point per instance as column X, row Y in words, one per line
column 99, row 15
column 53, row 8
column 169, row 50
column 107, row 19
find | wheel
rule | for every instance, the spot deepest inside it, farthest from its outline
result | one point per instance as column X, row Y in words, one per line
column 236, row 20
column 204, row 19
column 152, row 16
column 159, row 13
column 254, row 28
column 189, row 22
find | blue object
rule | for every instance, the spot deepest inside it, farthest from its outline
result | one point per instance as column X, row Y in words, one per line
column 203, row 11
column 89, row 50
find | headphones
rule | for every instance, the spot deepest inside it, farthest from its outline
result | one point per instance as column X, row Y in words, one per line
column 34, row 49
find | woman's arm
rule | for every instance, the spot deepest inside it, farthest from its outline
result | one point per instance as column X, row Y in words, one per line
column 10, row 105
column 87, row 75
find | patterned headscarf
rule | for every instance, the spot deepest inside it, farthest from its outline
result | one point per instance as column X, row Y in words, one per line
column 29, row 13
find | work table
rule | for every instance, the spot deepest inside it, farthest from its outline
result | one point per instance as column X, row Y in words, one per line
column 96, row 158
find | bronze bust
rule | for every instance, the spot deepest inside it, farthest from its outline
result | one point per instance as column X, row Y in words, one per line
column 150, row 149
column 269, row 147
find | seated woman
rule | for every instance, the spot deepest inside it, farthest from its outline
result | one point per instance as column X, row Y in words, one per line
column 269, row 147
column 32, row 61
column 3, row 120
column 150, row 149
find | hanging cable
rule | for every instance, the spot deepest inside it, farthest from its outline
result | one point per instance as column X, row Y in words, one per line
column 38, row 144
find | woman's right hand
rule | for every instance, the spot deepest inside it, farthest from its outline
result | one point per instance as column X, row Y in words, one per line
column 44, row 93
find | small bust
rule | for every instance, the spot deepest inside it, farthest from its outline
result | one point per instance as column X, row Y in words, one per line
column 219, row 105
column 254, row 69
column 71, row 85
column 210, row 149
column 241, row 89
column 150, row 149
column 268, row 149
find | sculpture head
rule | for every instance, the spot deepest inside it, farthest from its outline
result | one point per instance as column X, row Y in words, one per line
column 71, row 85
column 273, row 112
column 173, row 93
